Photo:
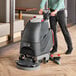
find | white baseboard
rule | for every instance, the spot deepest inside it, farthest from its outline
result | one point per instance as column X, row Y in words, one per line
column 5, row 38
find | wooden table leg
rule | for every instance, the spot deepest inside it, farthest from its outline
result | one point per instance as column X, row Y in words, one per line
column 20, row 14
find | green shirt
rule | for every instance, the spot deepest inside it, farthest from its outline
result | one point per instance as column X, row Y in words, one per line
column 53, row 4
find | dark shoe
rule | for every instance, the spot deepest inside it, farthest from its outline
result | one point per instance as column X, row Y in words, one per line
column 69, row 51
column 52, row 51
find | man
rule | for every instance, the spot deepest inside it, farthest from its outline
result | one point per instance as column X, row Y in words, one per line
column 57, row 9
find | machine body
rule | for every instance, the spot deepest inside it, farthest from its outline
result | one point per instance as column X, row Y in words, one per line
column 36, row 42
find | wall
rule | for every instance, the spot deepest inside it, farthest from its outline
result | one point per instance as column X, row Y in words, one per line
column 71, row 7
column 28, row 4
column 4, row 10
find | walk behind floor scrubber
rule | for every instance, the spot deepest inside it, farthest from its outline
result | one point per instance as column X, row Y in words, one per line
column 36, row 42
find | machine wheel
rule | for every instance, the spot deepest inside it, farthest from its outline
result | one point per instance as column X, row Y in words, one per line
column 21, row 57
column 45, row 61
column 40, row 61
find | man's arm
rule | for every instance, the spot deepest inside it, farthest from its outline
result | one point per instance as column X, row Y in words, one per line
column 60, row 4
column 42, row 5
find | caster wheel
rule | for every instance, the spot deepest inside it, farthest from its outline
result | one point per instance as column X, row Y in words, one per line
column 21, row 57
column 40, row 61
column 45, row 61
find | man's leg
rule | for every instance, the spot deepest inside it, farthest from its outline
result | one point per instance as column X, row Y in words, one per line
column 63, row 25
column 53, row 23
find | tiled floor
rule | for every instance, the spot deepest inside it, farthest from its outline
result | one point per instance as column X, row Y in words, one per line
column 9, row 54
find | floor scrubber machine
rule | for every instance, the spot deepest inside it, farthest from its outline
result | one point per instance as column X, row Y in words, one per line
column 36, row 42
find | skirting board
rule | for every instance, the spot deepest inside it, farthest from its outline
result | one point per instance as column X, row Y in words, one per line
column 5, row 38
